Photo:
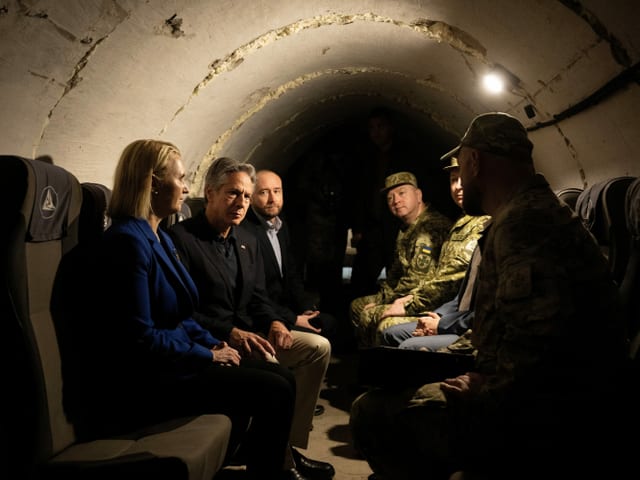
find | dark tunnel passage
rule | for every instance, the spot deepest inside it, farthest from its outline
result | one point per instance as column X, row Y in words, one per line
column 323, row 191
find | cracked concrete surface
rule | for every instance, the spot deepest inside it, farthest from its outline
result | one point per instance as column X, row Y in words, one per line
column 218, row 79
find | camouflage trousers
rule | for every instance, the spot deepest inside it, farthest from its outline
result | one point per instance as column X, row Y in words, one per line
column 367, row 322
column 403, row 434
column 420, row 434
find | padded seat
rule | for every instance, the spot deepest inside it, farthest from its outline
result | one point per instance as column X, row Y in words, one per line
column 196, row 204
column 569, row 195
column 43, row 221
column 602, row 210
column 630, row 287
column 183, row 214
column 93, row 213
column 185, row 448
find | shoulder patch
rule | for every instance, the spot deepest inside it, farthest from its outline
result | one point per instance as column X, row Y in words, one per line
column 424, row 257
column 426, row 249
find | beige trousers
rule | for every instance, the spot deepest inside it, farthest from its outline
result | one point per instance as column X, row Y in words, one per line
column 308, row 358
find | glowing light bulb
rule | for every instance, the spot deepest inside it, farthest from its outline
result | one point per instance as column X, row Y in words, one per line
column 493, row 82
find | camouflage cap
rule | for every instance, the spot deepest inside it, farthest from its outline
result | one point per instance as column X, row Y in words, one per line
column 498, row 133
column 399, row 178
column 453, row 163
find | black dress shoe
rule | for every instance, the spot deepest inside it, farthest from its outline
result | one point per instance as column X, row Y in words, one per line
column 319, row 410
column 312, row 469
column 293, row 474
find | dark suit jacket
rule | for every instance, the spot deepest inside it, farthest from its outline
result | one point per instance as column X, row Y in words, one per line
column 287, row 290
column 222, row 307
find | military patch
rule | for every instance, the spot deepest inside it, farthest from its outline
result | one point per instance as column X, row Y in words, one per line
column 425, row 249
column 423, row 259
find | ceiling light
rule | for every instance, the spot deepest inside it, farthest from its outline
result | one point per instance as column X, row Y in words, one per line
column 493, row 82
column 499, row 79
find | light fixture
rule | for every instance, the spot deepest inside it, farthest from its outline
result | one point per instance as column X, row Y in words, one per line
column 493, row 82
column 499, row 79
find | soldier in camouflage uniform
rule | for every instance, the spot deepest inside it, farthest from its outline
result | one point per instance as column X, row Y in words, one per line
column 540, row 402
column 418, row 246
column 452, row 265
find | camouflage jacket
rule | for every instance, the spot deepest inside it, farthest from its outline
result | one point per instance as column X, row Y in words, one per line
column 543, row 293
column 418, row 248
column 443, row 283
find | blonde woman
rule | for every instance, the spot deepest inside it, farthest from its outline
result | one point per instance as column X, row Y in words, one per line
column 158, row 362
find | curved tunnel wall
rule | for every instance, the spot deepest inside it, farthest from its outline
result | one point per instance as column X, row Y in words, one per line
column 264, row 81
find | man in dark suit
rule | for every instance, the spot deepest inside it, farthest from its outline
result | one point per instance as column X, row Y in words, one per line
column 284, row 283
column 225, row 262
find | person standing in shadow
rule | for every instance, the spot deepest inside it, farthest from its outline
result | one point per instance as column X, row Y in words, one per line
column 374, row 229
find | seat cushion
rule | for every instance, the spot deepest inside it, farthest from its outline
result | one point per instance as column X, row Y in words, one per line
column 199, row 444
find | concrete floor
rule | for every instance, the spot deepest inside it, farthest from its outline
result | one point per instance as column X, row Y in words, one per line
column 330, row 438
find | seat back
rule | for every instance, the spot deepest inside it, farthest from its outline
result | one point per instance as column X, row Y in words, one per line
column 615, row 225
column 602, row 210
column 70, row 303
column 44, row 202
column 185, row 212
column 47, row 273
column 16, row 425
column 196, row 204
column 630, row 287
column 569, row 195
column 93, row 214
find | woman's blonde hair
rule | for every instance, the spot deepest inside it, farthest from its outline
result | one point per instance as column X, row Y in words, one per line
column 140, row 162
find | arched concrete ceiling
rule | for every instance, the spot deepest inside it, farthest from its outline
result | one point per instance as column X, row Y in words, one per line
column 263, row 80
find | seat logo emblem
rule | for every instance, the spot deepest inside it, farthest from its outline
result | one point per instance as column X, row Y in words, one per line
column 48, row 202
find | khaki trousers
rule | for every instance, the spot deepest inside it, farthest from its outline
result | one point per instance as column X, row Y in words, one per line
column 308, row 358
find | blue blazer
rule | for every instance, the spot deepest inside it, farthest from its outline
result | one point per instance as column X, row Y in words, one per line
column 150, row 299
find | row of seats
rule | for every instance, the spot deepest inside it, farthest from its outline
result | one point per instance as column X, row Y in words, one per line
column 50, row 216
column 610, row 209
